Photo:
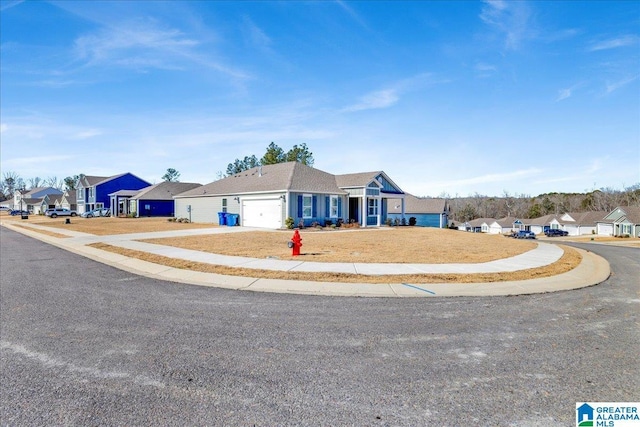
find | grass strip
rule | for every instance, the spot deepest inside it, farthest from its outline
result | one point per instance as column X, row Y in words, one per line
column 569, row 260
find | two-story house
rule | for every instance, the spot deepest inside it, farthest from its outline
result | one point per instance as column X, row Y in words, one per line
column 92, row 192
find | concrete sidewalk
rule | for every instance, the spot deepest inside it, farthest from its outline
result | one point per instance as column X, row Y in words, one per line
column 591, row 271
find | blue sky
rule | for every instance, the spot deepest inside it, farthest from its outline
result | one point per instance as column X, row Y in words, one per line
column 445, row 97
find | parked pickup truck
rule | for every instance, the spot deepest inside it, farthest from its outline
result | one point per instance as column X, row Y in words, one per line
column 522, row 234
column 552, row 232
column 53, row 213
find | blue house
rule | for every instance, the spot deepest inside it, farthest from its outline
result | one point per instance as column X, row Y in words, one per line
column 92, row 192
column 369, row 193
column 155, row 200
column 428, row 212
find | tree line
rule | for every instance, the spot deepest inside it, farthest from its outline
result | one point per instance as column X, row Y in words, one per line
column 523, row 206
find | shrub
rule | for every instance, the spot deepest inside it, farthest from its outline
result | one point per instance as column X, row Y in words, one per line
column 339, row 222
column 412, row 221
column 328, row 223
column 403, row 221
column 289, row 223
column 301, row 224
column 388, row 222
column 396, row 222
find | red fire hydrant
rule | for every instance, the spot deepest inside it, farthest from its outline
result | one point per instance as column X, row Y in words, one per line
column 296, row 243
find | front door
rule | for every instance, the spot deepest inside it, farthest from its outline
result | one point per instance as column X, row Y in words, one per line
column 354, row 209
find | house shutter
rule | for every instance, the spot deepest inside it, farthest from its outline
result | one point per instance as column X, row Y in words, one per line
column 314, row 206
column 299, row 206
column 327, row 200
column 339, row 207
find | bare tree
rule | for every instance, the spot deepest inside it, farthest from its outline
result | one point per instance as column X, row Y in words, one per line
column 53, row 181
column 34, row 182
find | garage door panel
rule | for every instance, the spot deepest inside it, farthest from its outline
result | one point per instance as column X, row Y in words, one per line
column 266, row 213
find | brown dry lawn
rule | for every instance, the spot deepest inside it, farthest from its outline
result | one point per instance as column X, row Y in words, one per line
column 567, row 262
column 108, row 226
column 395, row 245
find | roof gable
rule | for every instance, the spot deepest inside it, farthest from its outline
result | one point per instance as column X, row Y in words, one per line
column 364, row 179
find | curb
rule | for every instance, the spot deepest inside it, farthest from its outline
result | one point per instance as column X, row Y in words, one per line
column 591, row 271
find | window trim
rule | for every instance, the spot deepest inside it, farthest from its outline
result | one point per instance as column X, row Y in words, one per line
column 333, row 207
column 372, row 207
column 305, row 206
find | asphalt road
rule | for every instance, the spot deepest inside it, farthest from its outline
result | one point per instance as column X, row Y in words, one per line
column 82, row 343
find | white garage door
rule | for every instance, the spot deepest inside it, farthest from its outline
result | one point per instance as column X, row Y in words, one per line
column 605, row 229
column 265, row 213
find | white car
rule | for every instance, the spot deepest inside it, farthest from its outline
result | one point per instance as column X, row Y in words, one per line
column 54, row 213
column 96, row 212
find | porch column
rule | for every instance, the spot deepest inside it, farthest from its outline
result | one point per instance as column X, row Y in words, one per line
column 364, row 210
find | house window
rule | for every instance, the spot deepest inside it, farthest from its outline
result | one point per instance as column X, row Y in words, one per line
column 373, row 207
column 80, row 193
column 307, row 201
column 626, row 229
column 333, row 207
column 99, row 205
column 224, row 205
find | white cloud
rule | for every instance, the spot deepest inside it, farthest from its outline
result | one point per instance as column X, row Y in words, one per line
column 622, row 41
column 511, row 19
column 563, row 94
column 374, row 100
column 144, row 44
column 612, row 87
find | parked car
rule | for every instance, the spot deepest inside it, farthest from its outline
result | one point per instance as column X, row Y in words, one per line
column 19, row 212
column 96, row 212
column 53, row 213
column 552, row 232
column 523, row 234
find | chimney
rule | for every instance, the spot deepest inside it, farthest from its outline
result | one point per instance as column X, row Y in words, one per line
column 259, row 170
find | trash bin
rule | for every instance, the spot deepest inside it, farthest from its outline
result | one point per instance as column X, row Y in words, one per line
column 222, row 218
column 232, row 219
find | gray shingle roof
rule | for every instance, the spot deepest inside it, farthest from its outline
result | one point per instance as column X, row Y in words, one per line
column 417, row 205
column 507, row 221
column 633, row 213
column 165, row 190
column 479, row 221
column 360, row 179
column 543, row 220
column 290, row 176
column 584, row 218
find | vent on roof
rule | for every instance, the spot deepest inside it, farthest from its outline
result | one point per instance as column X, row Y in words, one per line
column 259, row 170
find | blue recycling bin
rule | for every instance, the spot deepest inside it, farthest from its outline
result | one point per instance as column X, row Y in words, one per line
column 222, row 218
column 232, row 219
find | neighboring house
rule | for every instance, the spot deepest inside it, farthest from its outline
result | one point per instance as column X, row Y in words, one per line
column 265, row 196
column 506, row 225
column 580, row 223
column 428, row 212
column 68, row 200
column 157, row 200
column 369, row 193
column 479, row 225
column 622, row 221
column 31, row 200
column 50, row 201
column 541, row 224
column 92, row 192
